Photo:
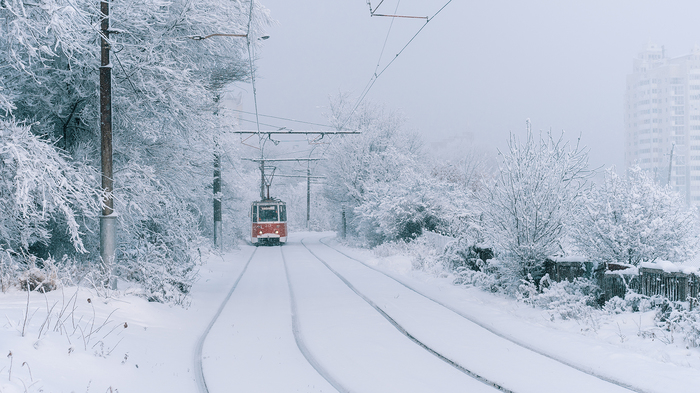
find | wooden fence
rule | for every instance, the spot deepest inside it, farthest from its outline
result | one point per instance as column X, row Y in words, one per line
column 674, row 286
column 568, row 270
column 614, row 280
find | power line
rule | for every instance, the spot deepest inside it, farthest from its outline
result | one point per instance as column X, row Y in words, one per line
column 376, row 75
column 387, row 34
column 284, row 118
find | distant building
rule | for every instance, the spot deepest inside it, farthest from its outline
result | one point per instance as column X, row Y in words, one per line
column 662, row 119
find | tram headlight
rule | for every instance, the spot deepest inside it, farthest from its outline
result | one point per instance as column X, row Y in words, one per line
column 260, row 233
column 277, row 232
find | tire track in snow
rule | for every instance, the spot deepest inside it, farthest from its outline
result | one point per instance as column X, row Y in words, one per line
column 300, row 340
column 198, row 368
column 403, row 331
column 479, row 323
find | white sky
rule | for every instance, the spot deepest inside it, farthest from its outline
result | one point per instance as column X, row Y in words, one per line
column 479, row 69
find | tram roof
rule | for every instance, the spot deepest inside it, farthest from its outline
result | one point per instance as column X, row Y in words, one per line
column 271, row 201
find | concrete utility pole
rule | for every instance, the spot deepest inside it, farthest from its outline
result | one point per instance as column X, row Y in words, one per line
column 108, row 219
column 308, row 196
column 262, row 179
column 218, row 221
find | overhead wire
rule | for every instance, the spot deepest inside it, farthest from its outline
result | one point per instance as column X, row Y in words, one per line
column 284, row 118
column 376, row 75
column 252, row 74
column 386, row 39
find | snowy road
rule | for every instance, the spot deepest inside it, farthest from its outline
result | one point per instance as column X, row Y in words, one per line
column 349, row 328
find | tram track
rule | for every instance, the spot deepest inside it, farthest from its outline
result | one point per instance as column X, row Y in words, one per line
column 343, row 330
column 489, row 329
column 315, row 320
column 198, row 367
column 274, row 335
column 406, row 333
column 300, row 340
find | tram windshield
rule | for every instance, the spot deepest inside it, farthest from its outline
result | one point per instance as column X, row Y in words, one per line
column 268, row 213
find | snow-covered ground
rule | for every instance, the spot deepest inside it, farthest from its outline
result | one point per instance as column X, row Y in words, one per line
column 346, row 327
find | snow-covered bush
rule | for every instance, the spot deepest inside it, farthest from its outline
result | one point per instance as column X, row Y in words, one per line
column 632, row 219
column 632, row 302
column 528, row 209
column 564, row 300
column 486, row 279
column 688, row 323
column 463, row 254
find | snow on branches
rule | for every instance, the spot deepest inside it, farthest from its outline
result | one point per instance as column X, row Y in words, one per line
column 38, row 184
column 529, row 207
column 632, row 219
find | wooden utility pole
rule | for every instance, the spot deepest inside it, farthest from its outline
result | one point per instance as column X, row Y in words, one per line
column 108, row 219
column 218, row 222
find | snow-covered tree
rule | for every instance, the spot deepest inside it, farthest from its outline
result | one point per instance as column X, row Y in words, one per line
column 164, row 96
column 370, row 173
column 39, row 189
column 385, row 183
column 632, row 219
column 529, row 207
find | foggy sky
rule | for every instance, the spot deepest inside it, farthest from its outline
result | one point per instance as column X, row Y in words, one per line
column 478, row 70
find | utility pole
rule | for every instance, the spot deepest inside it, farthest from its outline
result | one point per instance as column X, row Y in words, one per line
column 320, row 136
column 262, row 162
column 108, row 219
column 218, row 221
column 262, row 179
column 308, row 196
column 218, row 224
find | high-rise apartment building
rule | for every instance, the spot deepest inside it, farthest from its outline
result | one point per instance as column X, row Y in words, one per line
column 662, row 119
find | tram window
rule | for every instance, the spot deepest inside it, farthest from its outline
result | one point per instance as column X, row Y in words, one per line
column 283, row 213
column 255, row 213
column 268, row 213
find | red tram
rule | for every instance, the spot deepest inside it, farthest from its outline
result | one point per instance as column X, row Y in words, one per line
column 269, row 219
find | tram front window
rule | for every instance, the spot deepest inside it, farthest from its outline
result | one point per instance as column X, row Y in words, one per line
column 268, row 213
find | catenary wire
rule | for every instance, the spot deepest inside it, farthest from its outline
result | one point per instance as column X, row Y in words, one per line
column 284, row 118
column 374, row 77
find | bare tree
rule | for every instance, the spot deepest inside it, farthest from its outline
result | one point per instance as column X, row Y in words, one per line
column 529, row 207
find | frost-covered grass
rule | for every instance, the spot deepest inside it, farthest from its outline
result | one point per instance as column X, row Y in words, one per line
column 79, row 339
